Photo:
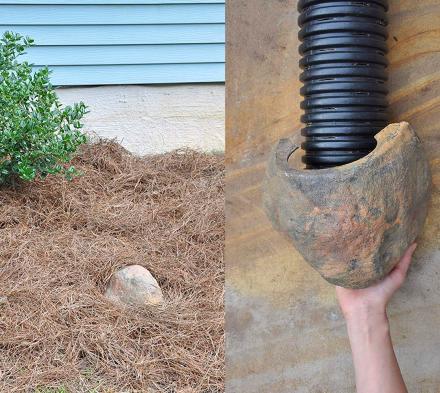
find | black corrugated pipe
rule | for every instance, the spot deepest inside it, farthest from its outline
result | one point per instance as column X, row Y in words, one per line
column 344, row 74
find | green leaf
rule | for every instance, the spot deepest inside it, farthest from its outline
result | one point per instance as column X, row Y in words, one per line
column 37, row 135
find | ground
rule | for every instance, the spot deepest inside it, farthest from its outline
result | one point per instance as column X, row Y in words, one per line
column 60, row 242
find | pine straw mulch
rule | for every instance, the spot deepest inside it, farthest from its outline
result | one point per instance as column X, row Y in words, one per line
column 60, row 242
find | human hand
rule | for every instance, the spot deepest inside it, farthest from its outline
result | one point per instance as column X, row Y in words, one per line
column 375, row 363
column 373, row 300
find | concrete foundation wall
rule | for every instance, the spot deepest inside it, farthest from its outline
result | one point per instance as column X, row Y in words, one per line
column 285, row 331
column 154, row 119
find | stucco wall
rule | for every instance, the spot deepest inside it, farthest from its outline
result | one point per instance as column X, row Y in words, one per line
column 154, row 119
column 285, row 332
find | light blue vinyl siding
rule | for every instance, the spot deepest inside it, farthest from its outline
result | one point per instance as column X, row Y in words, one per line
column 95, row 42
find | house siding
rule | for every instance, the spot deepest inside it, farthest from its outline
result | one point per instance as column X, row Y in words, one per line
column 102, row 42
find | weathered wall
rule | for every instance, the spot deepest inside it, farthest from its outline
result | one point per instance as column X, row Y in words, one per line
column 285, row 332
column 155, row 119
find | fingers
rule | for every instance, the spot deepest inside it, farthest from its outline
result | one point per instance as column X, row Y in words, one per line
column 398, row 275
column 406, row 259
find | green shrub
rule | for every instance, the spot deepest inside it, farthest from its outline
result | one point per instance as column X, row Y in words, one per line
column 37, row 136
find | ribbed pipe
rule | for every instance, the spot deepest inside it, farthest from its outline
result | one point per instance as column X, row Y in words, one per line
column 344, row 74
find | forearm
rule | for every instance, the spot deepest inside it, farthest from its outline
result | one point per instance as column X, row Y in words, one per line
column 376, row 367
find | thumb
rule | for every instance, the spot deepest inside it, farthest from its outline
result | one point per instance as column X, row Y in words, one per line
column 398, row 274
